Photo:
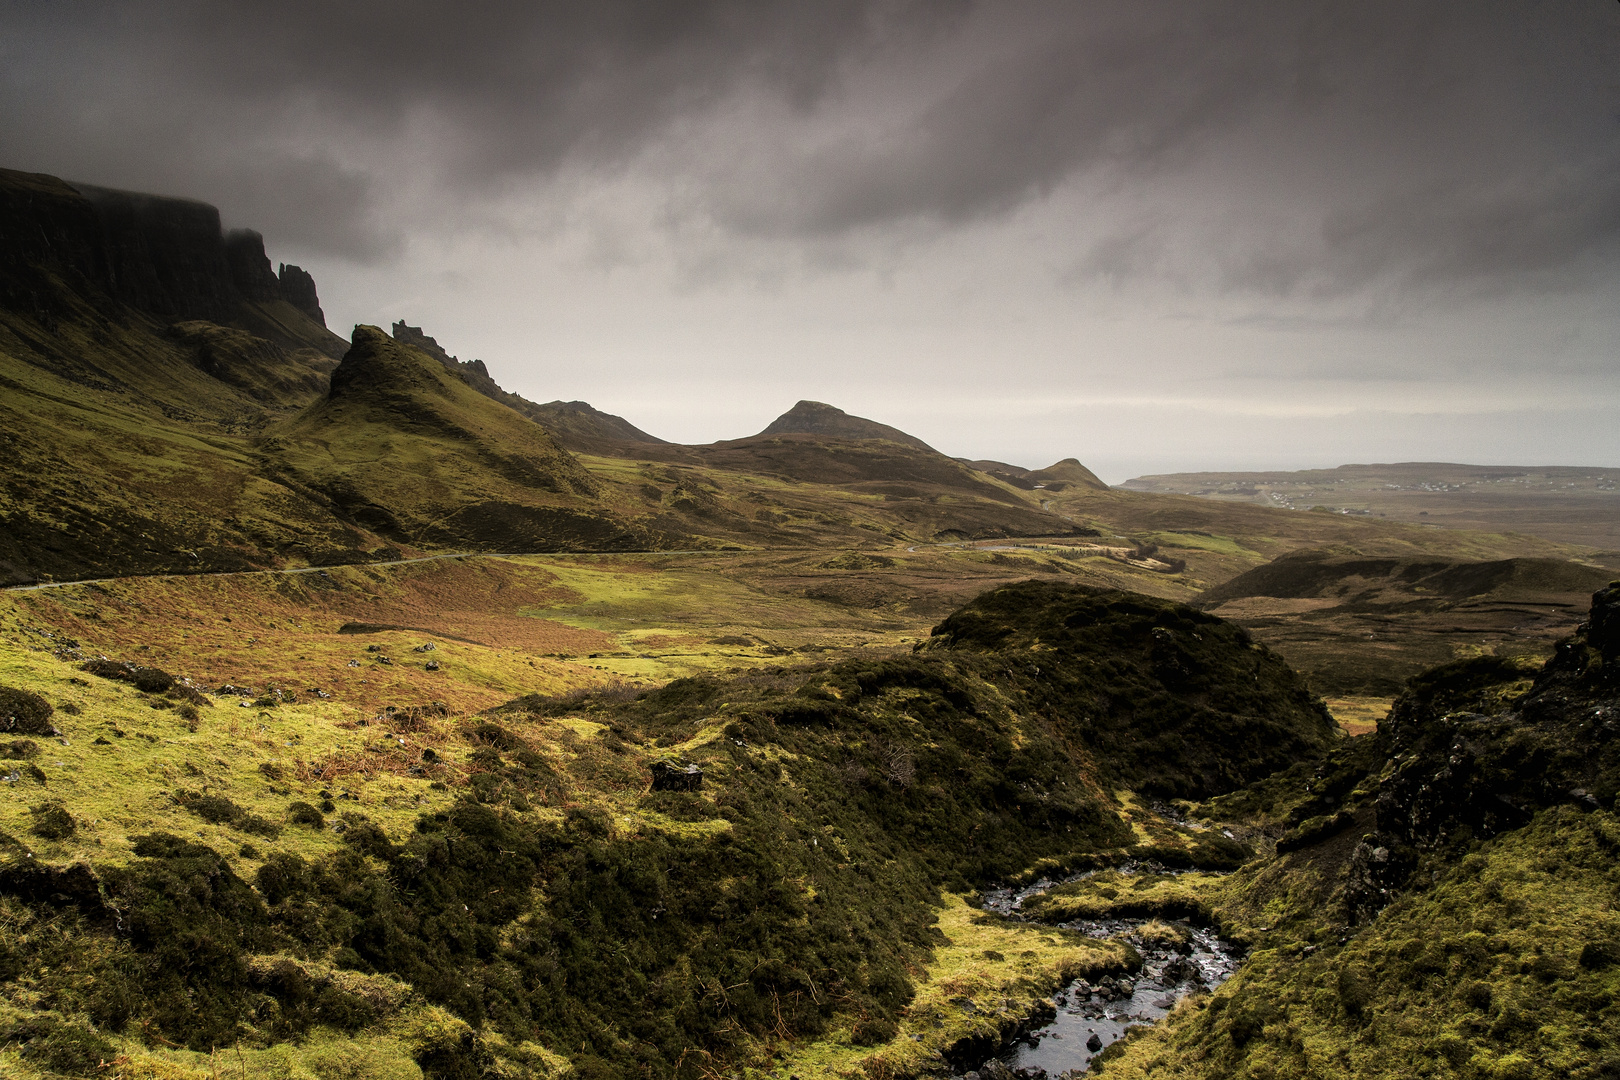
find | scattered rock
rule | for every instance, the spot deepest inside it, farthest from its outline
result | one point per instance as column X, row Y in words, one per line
column 428, row 647
column 431, row 665
column 1179, row 970
column 1094, row 1043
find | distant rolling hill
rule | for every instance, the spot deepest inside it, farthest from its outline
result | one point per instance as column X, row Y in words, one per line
column 1066, row 473
column 860, row 470
column 584, row 429
column 1362, row 624
column 1564, row 503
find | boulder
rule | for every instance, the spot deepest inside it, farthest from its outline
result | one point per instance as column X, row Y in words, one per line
column 668, row 776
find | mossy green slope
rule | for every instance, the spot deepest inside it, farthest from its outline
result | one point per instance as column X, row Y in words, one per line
column 93, row 483
column 403, row 446
column 1503, row 966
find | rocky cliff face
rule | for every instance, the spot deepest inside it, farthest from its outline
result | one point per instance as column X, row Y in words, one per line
column 250, row 267
column 298, row 289
column 165, row 257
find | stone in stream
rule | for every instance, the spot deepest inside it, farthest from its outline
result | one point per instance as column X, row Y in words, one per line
column 1180, row 970
column 1094, row 1043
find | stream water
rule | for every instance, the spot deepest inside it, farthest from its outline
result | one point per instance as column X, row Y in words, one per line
column 1090, row 1016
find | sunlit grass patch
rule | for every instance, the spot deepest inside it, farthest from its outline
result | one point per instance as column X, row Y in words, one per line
column 128, row 763
column 1358, row 715
column 1115, row 894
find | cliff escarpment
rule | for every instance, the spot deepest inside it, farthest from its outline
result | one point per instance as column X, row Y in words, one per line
column 166, row 258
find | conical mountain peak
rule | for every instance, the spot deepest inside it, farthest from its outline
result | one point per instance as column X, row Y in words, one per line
column 819, row 418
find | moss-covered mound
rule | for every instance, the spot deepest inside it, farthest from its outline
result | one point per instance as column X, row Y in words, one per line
column 23, row 712
column 1165, row 698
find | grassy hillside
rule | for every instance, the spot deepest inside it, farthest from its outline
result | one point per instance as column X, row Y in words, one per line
column 403, row 446
column 1440, row 904
column 94, row 483
column 505, row 890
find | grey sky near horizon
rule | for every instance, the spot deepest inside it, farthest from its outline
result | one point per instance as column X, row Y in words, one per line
column 1156, row 236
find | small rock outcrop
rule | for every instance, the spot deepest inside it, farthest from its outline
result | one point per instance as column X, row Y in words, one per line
column 1476, row 753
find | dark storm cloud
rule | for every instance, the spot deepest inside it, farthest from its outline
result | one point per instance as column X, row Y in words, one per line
column 1441, row 141
column 470, row 95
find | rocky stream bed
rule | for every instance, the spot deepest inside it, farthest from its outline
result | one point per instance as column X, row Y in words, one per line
column 1086, row 1017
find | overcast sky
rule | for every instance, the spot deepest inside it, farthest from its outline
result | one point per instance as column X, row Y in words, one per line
column 1152, row 235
